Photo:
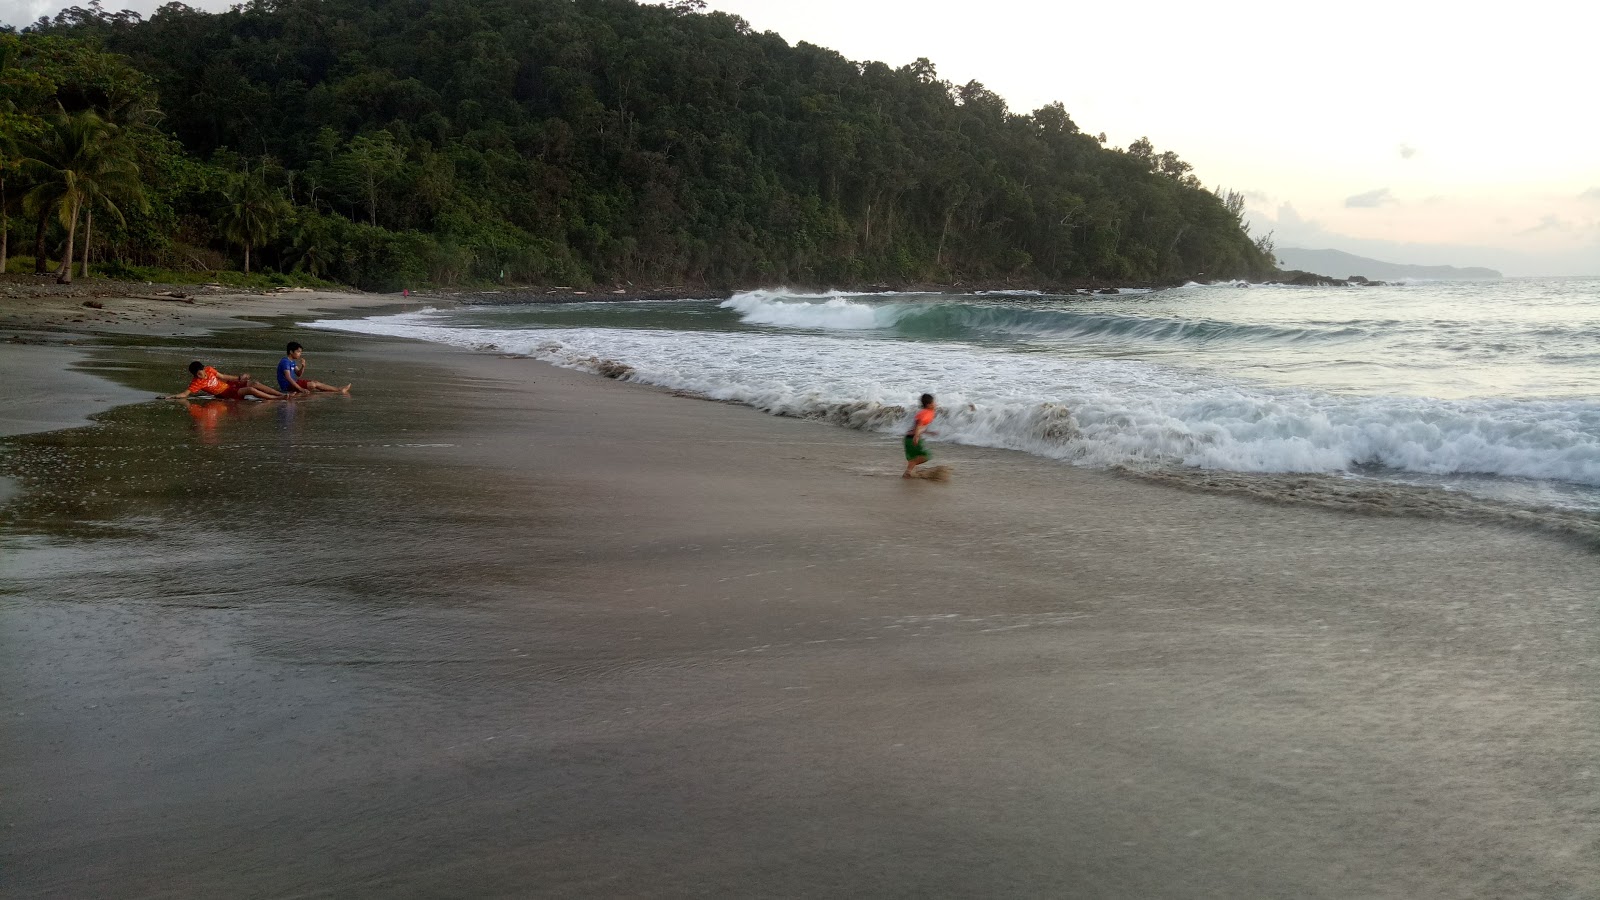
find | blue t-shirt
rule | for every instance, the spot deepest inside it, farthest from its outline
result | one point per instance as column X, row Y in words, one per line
column 286, row 374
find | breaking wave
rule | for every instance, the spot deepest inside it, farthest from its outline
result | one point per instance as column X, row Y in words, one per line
column 1097, row 412
column 957, row 320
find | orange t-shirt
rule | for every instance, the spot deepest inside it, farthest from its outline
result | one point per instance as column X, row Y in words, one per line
column 208, row 381
column 925, row 417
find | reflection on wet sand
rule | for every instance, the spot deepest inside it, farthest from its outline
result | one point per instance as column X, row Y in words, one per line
column 496, row 629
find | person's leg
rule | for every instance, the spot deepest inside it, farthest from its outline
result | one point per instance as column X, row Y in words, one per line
column 325, row 388
column 916, row 455
column 259, row 392
column 911, row 466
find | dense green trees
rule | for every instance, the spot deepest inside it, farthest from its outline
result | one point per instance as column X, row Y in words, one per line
column 580, row 141
column 79, row 162
column 253, row 213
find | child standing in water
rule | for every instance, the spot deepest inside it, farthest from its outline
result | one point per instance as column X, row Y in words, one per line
column 916, row 453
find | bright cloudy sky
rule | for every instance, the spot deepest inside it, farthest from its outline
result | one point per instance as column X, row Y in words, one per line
column 1415, row 132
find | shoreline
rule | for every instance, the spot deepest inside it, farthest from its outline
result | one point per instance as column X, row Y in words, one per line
column 55, row 334
column 47, row 337
column 512, row 295
column 540, row 632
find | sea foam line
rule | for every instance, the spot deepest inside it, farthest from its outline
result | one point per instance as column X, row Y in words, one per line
column 1091, row 412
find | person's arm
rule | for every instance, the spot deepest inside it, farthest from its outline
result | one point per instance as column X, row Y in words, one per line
column 182, row 396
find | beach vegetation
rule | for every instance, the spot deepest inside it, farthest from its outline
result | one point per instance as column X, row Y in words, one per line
column 578, row 142
column 78, row 163
column 252, row 213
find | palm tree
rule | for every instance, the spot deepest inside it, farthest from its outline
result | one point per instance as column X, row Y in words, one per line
column 8, row 161
column 253, row 213
column 313, row 247
column 8, row 158
column 79, row 163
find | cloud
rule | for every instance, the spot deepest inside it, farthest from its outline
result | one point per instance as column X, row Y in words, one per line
column 25, row 12
column 1407, row 151
column 1370, row 200
column 1551, row 222
column 1295, row 230
column 1591, row 194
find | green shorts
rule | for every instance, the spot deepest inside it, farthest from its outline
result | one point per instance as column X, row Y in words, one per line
column 914, row 448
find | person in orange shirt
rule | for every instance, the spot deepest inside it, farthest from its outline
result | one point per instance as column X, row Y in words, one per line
column 223, row 387
column 916, row 453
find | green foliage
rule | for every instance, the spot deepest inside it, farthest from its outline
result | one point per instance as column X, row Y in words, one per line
column 78, row 163
column 597, row 141
column 252, row 213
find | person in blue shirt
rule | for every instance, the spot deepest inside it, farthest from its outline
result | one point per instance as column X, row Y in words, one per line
column 291, row 374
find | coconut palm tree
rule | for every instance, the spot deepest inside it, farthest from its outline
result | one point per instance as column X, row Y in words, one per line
column 252, row 214
column 313, row 246
column 9, row 160
column 79, row 163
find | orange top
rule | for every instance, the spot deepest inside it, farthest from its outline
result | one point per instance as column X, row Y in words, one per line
column 925, row 417
column 209, row 381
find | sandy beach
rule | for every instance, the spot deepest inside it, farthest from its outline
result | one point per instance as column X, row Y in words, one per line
column 493, row 628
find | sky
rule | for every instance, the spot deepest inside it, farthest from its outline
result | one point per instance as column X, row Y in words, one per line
column 1412, row 132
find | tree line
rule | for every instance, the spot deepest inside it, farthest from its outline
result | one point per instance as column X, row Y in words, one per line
column 571, row 142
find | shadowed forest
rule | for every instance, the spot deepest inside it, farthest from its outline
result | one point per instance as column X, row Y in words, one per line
column 384, row 143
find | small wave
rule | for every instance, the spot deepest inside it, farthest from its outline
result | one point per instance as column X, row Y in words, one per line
column 965, row 320
column 1091, row 412
column 1371, row 497
column 757, row 308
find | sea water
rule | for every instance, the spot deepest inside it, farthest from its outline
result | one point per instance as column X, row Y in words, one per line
column 1488, row 390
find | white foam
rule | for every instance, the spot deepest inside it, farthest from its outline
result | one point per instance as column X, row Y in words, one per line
column 809, row 311
column 1088, row 411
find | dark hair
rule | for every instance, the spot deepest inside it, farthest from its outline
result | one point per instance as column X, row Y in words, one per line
column 195, row 367
column 293, row 346
column 927, row 399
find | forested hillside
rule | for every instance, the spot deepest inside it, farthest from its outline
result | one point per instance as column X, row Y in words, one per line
column 573, row 142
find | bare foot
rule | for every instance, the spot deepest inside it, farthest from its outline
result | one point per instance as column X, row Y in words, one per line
column 345, row 390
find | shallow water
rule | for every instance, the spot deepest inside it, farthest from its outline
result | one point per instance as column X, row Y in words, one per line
column 489, row 628
column 1487, row 388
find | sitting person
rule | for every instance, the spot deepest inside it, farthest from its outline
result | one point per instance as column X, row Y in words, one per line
column 223, row 387
column 291, row 369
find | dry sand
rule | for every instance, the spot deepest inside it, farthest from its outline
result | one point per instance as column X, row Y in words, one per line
column 489, row 628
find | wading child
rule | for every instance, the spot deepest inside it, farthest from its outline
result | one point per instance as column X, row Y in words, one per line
column 223, row 387
column 916, row 453
column 293, row 366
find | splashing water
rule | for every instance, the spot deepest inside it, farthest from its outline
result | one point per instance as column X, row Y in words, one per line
column 1486, row 387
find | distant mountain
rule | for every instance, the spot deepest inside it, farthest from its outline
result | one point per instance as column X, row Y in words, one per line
column 1340, row 264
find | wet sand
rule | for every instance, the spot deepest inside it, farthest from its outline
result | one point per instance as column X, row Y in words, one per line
column 489, row 628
